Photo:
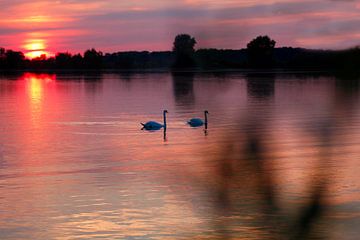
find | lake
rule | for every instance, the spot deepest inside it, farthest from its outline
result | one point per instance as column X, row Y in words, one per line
column 279, row 158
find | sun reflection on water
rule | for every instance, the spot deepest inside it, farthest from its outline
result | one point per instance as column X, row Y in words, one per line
column 36, row 85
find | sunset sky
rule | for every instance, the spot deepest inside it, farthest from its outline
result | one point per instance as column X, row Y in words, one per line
column 40, row 26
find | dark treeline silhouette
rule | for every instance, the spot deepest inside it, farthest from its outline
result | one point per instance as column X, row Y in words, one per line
column 184, row 50
column 11, row 59
column 260, row 53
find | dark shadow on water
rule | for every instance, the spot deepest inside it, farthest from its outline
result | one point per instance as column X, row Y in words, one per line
column 93, row 83
column 348, row 85
column 126, row 76
column 247, row 183
column 260, row 86
column 183, row 88
column 245, row 168
column 11, row 75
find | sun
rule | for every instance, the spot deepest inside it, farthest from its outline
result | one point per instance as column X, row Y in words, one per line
column 35, row 48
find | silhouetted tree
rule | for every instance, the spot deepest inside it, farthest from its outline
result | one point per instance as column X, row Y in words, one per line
column 2, row 58
column 184, row 50
column 77, row 61
column 41, row 62
column 260, row 51
column 93, row 59
column 14, row 59
column 62, row 60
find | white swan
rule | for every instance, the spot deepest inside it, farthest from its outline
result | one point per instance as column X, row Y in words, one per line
column 197, row 122
column 151, row 125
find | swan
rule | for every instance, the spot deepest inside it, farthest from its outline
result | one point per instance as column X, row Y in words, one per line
column 197, row 122
column 151, row 125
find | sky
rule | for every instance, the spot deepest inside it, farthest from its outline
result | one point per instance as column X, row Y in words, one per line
column 39, row 26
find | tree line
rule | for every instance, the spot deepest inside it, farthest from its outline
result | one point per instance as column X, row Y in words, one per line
column 259, row 53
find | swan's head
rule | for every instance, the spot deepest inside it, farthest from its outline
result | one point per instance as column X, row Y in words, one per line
column 206, row 112
column 165, row 111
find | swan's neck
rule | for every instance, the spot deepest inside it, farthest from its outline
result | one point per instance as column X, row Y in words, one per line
column 164, row 120
column 206, row 120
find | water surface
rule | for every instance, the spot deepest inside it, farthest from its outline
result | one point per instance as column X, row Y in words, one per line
column 75, row 164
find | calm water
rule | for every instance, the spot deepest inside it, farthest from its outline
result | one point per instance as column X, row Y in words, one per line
column 74, row 163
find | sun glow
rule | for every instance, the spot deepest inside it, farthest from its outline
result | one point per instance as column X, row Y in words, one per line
column 36, row 54
column 35, row 45
column 35, row 48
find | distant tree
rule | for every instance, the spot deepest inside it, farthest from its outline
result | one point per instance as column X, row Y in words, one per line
column 2, row 58
column 2, row 53
column 184, row 51
column 63, row 60
column 42, row 57
column 77, row 61
column 93, row 59
column 260, row 51
column 40, row 62
column 14, row 59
